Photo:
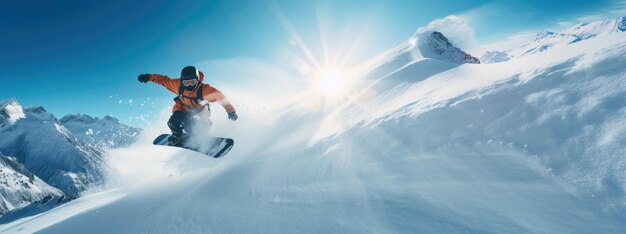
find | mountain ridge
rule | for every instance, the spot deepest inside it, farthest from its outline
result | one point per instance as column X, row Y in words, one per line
column 51, row 177
column 547, row 40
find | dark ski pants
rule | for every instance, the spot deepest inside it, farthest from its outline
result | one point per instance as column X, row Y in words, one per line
column 178, row 121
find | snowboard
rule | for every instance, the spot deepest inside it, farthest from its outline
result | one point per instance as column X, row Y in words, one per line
column 215, row 147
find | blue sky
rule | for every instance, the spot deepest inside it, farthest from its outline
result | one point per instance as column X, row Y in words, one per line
column 84, row 56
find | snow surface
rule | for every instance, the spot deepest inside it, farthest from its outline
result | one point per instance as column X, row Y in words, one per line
column 531, row 145
column 82, row 204
column 20, row 188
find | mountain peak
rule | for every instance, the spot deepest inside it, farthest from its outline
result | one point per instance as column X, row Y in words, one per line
column 434, row 44
column 6, row 102
column 544, row 34
column 38, row 112
column 602, row 27
column 83, row 118
column 77, row 118
column 105, row 132
column 11, row 110
column 494, row 56
column 111, row 119
column 37, row 109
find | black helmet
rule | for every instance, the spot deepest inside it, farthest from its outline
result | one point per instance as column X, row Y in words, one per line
column 189, row 72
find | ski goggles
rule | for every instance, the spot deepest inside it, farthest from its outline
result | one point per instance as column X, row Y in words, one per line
column 190, row 82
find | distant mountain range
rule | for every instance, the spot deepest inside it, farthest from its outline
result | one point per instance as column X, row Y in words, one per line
column 43, row 159
column 107, row 132
column 547, row 40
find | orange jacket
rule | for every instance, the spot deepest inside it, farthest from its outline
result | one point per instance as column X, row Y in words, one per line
column 209, row 93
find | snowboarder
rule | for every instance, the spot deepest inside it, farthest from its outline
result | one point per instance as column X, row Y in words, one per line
column 193, row 98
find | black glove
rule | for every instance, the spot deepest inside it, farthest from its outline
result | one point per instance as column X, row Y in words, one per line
column 233, row 116
column 143, row 78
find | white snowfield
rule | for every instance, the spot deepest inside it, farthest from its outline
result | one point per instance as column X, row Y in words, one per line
column 547, row 40
column 531, row 145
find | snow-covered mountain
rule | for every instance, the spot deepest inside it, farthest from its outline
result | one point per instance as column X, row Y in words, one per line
column 20, row 188
column 547, row 40
column 104, row 133
column 530, row 145
column 38, row 141
column 597, row 28
column 424, row 44
column 433, row 44
column 10, row 111
column 424, row 49
column 494, row 56
column 66, row 154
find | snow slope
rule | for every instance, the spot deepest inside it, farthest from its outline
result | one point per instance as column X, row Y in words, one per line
column 532, row 145
column 20, row 187
column 103, row 133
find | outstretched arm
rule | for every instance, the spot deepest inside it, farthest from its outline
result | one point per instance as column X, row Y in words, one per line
column 170, row 84
column 213, row 95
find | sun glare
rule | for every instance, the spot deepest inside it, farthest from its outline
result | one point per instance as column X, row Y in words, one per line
column 331, row 82
column 329, row 65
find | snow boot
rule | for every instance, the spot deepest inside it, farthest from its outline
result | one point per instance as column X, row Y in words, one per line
column 175, row 139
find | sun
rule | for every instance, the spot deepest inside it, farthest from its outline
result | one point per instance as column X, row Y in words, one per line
column 329, row 70
column 331, row 82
